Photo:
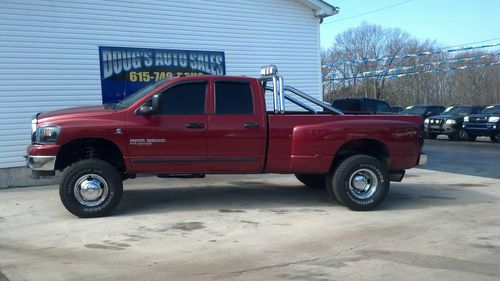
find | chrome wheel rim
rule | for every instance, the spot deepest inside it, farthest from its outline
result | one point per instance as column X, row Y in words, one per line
column 363, row 183
column 91, row 190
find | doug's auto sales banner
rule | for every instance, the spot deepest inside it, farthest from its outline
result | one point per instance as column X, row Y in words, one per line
column 126, row 70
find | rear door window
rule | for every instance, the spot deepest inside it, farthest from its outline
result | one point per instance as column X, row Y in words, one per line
column 233, row 97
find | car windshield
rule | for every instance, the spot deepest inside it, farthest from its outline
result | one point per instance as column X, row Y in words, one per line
column 460, row 110
column 128, row 101
column 414, row 110
column 493, row 109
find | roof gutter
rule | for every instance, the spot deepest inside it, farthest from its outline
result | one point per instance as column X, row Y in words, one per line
column 321, row 8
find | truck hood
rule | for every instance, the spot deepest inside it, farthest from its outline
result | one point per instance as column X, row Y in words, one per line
column 448, row 116
column 482, row 115
column 83, row 111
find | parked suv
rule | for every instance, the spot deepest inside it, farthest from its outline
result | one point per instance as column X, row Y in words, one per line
column 449, row 122
column 423, row 110
column 486, row 123
column 362, row 106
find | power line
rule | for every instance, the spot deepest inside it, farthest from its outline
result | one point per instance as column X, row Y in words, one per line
column 408, row 74
column 432, row 63
column 414, row 55
column 471, row 43
column 371, row 12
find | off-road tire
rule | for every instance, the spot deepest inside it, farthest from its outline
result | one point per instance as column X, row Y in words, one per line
column 495, row 138
column 339, row 182
column 463, row 135
column 86, row 167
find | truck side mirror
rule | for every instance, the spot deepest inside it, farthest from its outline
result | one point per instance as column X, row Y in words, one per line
column 152, row 107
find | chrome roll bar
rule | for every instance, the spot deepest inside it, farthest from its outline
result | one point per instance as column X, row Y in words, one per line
column 317, row 102
column 270, row 74
column 296, row 102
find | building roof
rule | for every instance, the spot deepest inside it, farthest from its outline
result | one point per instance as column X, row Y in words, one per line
column 321, row 8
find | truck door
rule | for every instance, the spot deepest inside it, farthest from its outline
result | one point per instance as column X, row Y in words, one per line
column 237, row 127
column 175, row 139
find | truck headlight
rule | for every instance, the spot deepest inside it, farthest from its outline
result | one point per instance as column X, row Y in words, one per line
column 466, row 119
column 451, row 121
column 494, row 119
column 426, row 121
column 33, row 125
column 48, row 134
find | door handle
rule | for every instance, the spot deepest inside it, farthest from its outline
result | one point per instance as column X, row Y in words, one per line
column 195, row 125
column 251, row 125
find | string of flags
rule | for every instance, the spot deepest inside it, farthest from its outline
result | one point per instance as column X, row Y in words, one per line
column 432, row 63
column 408, row 74
column 419, row 54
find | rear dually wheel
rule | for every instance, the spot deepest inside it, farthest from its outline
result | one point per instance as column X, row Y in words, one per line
column 360, row 182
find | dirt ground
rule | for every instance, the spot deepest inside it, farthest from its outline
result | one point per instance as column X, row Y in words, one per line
column 434, row 225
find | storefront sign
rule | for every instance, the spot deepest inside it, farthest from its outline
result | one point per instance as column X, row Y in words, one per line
column 126, row 70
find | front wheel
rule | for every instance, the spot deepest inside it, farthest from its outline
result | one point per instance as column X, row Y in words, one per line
column 91, row 188
column 463, row 135
column 495, row 138
column 360, row 182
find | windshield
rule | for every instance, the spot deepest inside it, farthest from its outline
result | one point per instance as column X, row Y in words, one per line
column 460, row 110
column 419, row 110
column 128, row 101
column 493, row 109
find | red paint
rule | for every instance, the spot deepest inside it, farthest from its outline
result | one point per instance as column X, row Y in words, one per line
column 297, row 143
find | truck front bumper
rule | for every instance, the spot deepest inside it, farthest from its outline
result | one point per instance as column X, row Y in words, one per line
column 482, row 129
column 41, row 162
column 444, row 129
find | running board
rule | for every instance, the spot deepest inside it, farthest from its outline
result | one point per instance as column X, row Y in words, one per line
column 182, row 176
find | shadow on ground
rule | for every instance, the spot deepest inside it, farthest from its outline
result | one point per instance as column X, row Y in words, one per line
column 243, row 196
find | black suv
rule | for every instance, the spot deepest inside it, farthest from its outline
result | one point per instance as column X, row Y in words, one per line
column 423, row 110
column 486, row 123
column 362, row 106
column 449, row 122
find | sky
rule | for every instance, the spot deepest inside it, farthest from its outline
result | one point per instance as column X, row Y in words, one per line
column 449, row 22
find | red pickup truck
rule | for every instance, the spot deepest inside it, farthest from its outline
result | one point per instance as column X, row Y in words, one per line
column 197, row 125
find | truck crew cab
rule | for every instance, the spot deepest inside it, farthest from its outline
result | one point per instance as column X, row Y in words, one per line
column 219, row 125
column 449, row 122
column 486, row 123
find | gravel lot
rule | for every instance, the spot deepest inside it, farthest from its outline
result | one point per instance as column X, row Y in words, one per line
column 434, row 225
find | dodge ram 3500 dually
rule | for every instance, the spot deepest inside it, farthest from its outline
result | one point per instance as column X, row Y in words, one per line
column 197, row 125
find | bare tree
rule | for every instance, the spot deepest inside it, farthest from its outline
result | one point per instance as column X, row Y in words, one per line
column 343, row 78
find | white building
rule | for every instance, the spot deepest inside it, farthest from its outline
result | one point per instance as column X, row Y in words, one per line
column 49, row 49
